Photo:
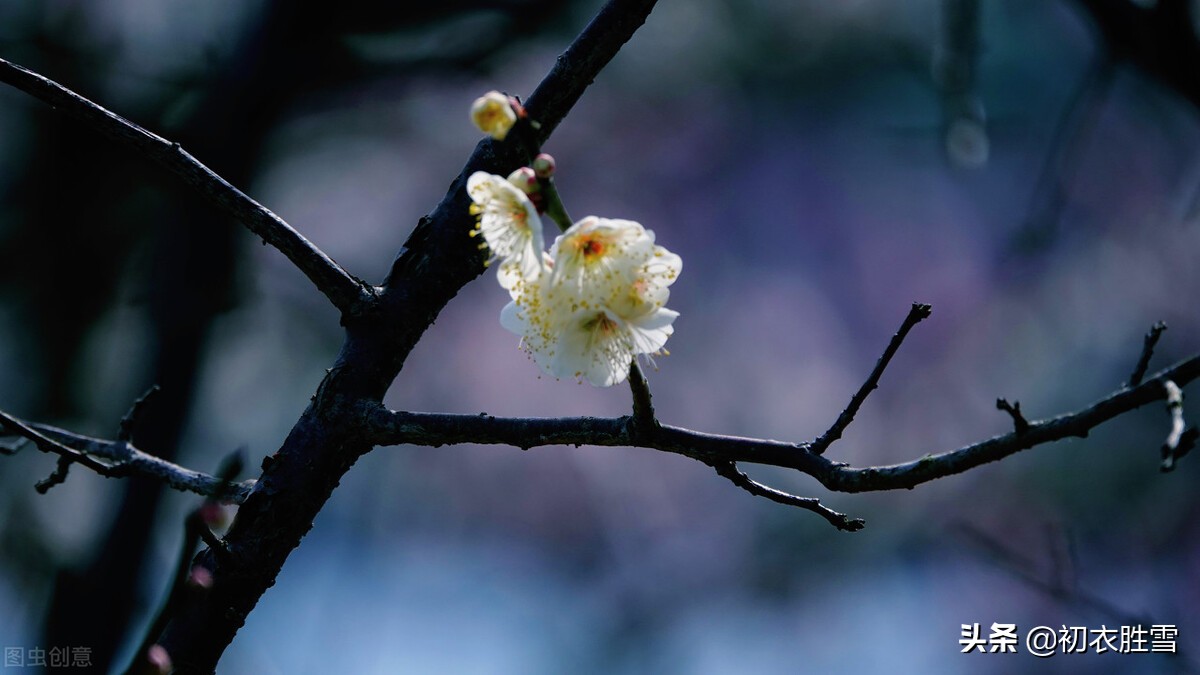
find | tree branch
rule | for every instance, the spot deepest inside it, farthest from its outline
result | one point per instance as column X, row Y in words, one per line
column 1148, row 344
column 916, row 314
column 346, row 292
column 841, row 521
column 385, row 427
column 121, row 459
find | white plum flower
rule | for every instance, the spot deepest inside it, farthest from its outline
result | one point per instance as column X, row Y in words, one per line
column 508, row 221
column 599, row 345
column 600, row 306
column 493, row 114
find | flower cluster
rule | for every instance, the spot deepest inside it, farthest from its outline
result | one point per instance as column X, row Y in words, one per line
column 590, row 305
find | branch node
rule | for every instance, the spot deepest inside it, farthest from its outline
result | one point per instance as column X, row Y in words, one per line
column 841, row 521
column 1180, row 440
column 1020, row 424
column 643, row 419
column 131, row 418
column 916, row 314
column 1148, row 344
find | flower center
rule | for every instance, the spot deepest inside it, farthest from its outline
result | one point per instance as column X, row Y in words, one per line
column 600, row 324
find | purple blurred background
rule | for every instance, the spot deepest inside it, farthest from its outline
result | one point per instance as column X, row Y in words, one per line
column 794, row 154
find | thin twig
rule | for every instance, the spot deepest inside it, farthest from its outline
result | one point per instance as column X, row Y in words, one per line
column 841, row 521
column 1148, row 344
column 347, row 293
column 130, row 420
column 1020, row 424
column 121, row 459
column 57, row 478
column 51, row 446
column 916, row 314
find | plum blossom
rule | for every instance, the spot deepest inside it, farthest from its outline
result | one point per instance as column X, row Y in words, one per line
column 508, row 221
column 599, row 304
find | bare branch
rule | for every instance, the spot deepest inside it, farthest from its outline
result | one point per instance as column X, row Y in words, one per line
column 916, row 314
column 577, row 67
column 54, row 447
column 385, row 427
column 120, row 459
column 1077, row 424
column 841, row 521
column 1148, row 344
column 130, row 420
column 347, row 293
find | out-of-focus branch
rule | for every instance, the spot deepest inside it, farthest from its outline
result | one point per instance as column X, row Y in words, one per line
column 347, row 293
column 188, row 579
column 118, row 458
column 955, row 65
column 1159, row 38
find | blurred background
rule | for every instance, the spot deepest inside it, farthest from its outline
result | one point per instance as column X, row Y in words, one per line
column 818, row 166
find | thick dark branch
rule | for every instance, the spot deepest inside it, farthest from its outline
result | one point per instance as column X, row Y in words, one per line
column 122, row 459
column 579, row 65
column 386, row 427
column 841, row 521
column 347, row 293
column 438, row 259
column 1148, row 344
column 918, row 313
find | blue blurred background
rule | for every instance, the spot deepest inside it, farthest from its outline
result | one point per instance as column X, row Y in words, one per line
column 818, row 166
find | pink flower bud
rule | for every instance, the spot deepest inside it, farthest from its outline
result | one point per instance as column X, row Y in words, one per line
column 525, row 180
column 158, row 660
column 543, row 165
column 200, row 577
column 213, row 514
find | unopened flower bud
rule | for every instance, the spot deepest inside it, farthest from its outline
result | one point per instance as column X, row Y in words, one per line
column 493, row 114
column 525, row 179
column 213, row 514
column 543, row 165
column 200, row 577
column 158, row 660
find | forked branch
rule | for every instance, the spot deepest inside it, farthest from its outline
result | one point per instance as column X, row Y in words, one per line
column 347, row 293
column 117, row 458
